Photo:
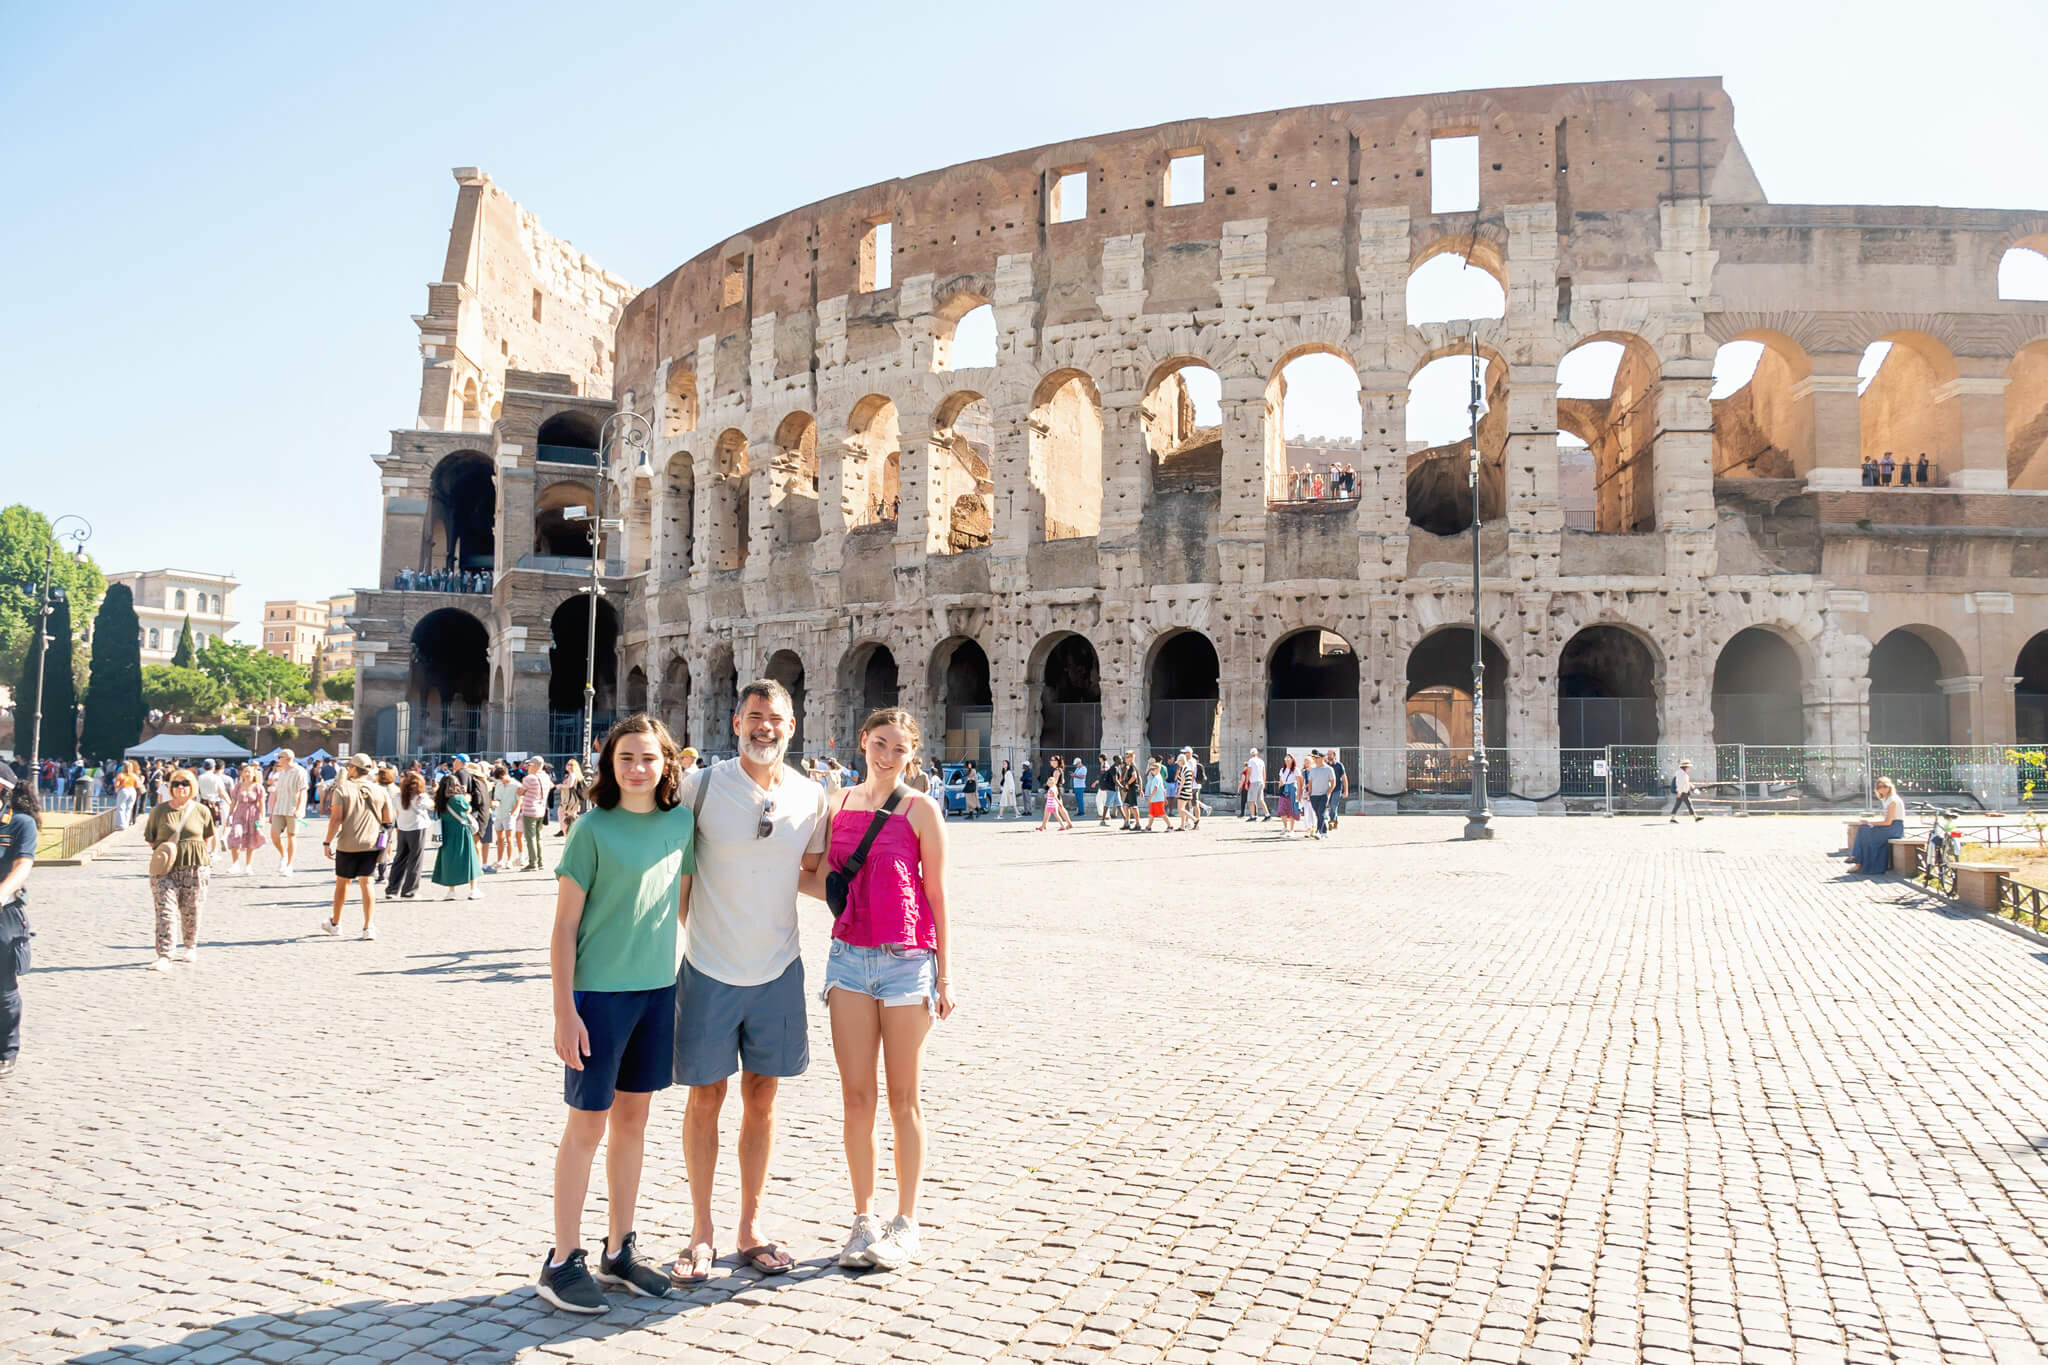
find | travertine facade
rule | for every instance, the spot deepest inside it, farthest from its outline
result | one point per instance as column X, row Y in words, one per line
column 829, row 497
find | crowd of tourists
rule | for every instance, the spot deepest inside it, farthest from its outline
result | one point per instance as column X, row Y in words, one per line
column 1880, row 473
column 1313, row 483
column 442, row 580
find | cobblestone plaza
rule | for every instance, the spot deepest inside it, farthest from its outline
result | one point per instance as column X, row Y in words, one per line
column 1601, row 1090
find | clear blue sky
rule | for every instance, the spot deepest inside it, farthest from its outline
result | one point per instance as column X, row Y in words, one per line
column 220, row 219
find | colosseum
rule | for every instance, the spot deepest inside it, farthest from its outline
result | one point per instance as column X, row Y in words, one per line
column 1009, row 444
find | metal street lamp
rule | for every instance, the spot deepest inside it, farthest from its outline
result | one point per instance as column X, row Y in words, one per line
column 638, row 431
column 1478, row 821
column 78, row 535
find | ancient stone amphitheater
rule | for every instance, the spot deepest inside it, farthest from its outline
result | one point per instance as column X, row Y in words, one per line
column 1009, row 444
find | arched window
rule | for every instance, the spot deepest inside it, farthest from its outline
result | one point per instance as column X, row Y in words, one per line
column 2026, row 418
column 1899, row 411
column 1182, row 415
column 1763, row 421
column 2023, row 274
column 1066, row 455
column 1439, row 421
column 964, row 428
column 1606, row 402
column 1449, row 286
column 871, row 467
column 178, row 599
column 152, row 638
column 1314, row 428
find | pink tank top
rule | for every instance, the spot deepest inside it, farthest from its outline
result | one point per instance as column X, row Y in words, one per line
column 885, row 904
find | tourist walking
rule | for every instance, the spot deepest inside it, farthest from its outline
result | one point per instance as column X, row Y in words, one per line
column 504, row 819
column 886, row 976
column 455, row 866
column 21, row 819
column 478, row 787
column 1188, row 782
column 211, row 789
column 1320, row 781
column 358, row 826
column 1255, row 787
column 246, row 805
column 1155, row 795
column 740, row 992
column 127, row 793
column 1105, row 788
column 1289, row 808
column 1055, row 800
column 533, row 807
column 1129, row 778
column 1006, row 791
column 413, row 810
column 611, row 965
column 570, row 801
column 288, row 786
column 970, row 791
column 1340, row 788
column 180, row 834
column 1681, row 791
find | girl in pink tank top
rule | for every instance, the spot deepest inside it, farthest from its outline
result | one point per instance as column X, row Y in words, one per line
column 886, row 979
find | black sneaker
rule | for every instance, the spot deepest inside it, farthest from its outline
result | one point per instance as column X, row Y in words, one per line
column 6, row 1067
column 568, row 1286
column 628, row 1269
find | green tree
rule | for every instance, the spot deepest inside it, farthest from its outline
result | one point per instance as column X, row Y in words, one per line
column 26, row 545
column 47, row 681
column 250, row 674
column 341, row 687
column 316, row 674
column 182, row 656
column 113, row 702
column 181, row 692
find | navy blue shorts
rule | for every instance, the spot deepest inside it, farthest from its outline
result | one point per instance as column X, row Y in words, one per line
column 721, row 1029
column 632, row 1037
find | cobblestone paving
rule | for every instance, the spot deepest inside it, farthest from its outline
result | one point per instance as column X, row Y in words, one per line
column 1600, row 1091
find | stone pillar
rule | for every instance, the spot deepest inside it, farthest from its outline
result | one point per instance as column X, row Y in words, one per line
column 1016, row 502
column 1247, row 482
column 2001, row 714
column 1382, row 764
column 828, row 551
column 1121, row 668
column 1684, row 468
column 1126, row 489
column 1965, row 693
column 703, row 497
column 1971, row 408
column 1837, row 456
column 922, row 517
column 1535, row 520
column 822, row 722
column 1532, row 731
column 1383, row 475
column 760, row 511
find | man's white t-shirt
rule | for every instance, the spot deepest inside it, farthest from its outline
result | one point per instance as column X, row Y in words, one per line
column 209, row 786
column 1255, row 771
column 742, row 925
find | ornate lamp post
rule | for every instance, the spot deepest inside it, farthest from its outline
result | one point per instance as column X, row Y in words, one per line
column 1478, row 822
column 638, row 431
column 78, row 535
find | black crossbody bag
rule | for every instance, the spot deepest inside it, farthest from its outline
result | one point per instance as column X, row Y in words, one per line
column 839, row 879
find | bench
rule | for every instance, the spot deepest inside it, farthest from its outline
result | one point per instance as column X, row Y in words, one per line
column 1977, row 883
column 1907, row 853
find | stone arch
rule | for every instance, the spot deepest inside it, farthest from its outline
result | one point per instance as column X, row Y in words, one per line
column 1900, row 409
column 721, row 695
column 961, row 688
column 1763, row 422
column 636, row 690
column 869, row 680
column 555, row 532
column 729, row 506
column 1066, row 456
column 1311, row 676
column 1065, row 691
column 1908, row 705
column 567, row 438
column 1184, row 694
column 2026, row 418
column 793, row 494
column 963, row 437
column 871, row 469
column 963, row 333
column 1184, row 453
column 1439, row 291
column 448, row 683
column 463, row 496
column 1620, row 430
column 679, row 407
column 1330, row 387
column 1439, row 491
column 569, row 634
column 2030, row 693
column 787, row 667
column 675, row 698
column 2023, row 267
column 1609, row 687
column 1759, row 689
column 1438, row 696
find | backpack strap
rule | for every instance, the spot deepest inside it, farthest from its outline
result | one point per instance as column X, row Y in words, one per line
column 697, row 801
column 860, row 855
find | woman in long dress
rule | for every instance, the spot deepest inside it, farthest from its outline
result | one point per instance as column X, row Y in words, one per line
column 456, row 865
column 1873, row 848
column 245, row 821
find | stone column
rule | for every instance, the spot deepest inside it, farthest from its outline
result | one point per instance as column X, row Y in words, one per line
column 828, row 551
column 1017, row 502
column 1383, row 475
column 760, row 511
column 2001, row 716
column 1532, row 732
column 921, row 516
column 1965, row 693
column 1972, row 409
column 1535, row 519
column 703, row 497
column 1684, row 468
column 1837, row 457
column 1247, row 482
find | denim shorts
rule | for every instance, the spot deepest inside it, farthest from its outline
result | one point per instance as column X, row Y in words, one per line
column 892, row 975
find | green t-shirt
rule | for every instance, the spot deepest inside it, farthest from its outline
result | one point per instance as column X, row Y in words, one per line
column 628, row 866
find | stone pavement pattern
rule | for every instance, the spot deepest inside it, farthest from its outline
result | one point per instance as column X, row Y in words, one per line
column 1601, row 1091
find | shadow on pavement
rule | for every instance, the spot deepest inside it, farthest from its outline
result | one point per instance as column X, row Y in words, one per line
column 497, row 1326
column 475, row 963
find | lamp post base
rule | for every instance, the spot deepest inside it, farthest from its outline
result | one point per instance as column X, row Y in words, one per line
column 1478, row 825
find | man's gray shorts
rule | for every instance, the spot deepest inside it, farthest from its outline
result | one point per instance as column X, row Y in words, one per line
column 721, row 1029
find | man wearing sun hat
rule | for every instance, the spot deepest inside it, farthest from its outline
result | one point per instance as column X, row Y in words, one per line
column 359, row 816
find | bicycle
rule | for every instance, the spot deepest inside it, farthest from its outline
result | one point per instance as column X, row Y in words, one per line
column 1944, row 849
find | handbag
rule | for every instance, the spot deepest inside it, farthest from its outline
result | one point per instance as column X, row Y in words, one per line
column 164, row 856
column 839, row 880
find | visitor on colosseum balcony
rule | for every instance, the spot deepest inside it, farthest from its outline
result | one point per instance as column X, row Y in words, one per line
column 1921, row 477
column 1884, row 469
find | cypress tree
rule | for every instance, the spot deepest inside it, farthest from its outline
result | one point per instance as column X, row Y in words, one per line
column 59, row 696
column 113, row 702
column 183, row 656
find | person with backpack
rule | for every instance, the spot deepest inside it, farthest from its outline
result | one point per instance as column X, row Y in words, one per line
column 1681, row 791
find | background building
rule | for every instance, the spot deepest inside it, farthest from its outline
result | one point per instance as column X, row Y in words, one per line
column 295, row 630
column 338, row 645
column 165, row 598
column 1049, row 546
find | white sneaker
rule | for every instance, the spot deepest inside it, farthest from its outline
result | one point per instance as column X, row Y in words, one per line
column 284, row 870
column 867, row 1230
column 476, row 893
column 369, row 932
column 186, row 953
column 330, row 928
column 897, row 1246
column 162, row 964
column 450, row 896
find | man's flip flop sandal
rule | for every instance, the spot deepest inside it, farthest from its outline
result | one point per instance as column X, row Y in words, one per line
column 693, row 1267
column 768, row 1259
